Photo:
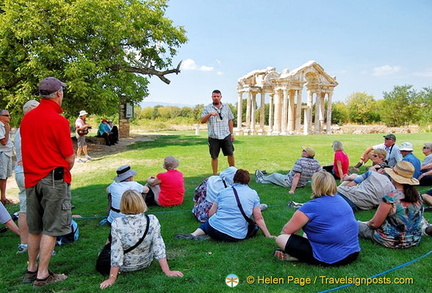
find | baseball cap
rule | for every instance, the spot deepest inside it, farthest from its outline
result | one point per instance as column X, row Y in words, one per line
column 390, row 136
column 50, row 85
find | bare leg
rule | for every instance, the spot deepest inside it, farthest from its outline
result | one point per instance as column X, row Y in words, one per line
column 33, row 251
column 47, row 244
column 427, row 199
column 214, row 164
column 84, row 148
column 11, row 225
column 3, row 190
column 198, row 232
column 231, row 161
column 79, row 152
column 23, row 228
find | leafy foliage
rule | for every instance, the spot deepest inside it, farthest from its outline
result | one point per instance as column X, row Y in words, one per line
column 103, row 50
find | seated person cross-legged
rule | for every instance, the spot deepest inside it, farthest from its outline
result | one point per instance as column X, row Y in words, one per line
column 322, row 219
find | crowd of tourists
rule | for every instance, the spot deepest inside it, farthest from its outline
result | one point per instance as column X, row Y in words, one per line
column 228, row 209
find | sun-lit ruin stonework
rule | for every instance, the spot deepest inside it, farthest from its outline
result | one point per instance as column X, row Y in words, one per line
column 286, row 109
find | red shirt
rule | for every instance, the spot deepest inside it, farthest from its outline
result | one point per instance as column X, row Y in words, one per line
column 343, row 157
column 171, row 188
column 45, row 142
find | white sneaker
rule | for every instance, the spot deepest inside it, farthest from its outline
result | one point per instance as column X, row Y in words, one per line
column 263, row 206
column 22, row 248
column 258, row 176
column 81, row 160
column 89, row 158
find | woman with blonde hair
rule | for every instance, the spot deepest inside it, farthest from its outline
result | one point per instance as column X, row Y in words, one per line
column 397, row 221
column 127, row 232
column 330, row 229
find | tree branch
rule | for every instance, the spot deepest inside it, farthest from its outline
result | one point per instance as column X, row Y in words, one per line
column 149, row 71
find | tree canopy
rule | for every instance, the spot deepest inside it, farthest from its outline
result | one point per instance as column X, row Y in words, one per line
column 104, row 50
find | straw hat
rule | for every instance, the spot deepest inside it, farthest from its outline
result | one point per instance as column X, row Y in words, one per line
column 402, row 173
column 309, row 151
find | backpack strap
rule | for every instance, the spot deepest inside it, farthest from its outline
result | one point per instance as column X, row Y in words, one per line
column 141, row 239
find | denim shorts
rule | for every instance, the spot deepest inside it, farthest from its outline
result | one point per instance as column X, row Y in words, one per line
column 49, row 209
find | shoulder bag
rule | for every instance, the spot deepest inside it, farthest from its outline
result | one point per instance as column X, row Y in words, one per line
column 103, row 262
column 252, row 226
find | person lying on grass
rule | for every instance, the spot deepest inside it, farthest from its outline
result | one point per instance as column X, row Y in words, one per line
column 126, row 232
column 226, row 222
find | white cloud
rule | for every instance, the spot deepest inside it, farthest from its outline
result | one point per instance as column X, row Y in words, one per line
column 190, row 64
column 426, row 73
column 385, row 70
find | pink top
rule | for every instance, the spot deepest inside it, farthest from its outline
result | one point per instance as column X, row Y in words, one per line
column 343, row 158
column 171, row 188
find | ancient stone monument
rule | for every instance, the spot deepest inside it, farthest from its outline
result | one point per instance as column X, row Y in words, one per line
column 286, row 107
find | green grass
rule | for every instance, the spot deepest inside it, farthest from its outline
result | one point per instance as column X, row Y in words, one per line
column 206, row 264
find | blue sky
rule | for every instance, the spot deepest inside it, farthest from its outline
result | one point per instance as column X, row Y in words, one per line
column 369, row 45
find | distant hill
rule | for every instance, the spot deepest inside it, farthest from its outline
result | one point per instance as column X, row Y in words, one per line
column 145, row 104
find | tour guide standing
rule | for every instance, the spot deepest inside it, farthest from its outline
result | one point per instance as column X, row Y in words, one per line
column 219, row 119
column 48, row 156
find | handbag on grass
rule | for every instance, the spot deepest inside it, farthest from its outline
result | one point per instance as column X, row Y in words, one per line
column 252, row 226
column 103, row 262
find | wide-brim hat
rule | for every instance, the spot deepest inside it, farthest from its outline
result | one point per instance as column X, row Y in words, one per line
column 30, row 105
column 309, row 151
column 402, row 173
column 170, row 163
column 406, row 146
column 124, row 172
column 82, row 113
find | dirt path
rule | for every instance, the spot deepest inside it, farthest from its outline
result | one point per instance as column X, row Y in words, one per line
column 96, row 151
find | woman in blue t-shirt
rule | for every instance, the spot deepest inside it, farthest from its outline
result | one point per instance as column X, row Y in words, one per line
column 328, row 223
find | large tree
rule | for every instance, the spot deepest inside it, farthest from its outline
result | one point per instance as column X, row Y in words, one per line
column 400, row 106
column 105, row 50
column 361, row 108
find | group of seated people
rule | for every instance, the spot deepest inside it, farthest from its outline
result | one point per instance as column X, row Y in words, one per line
column 108, row 131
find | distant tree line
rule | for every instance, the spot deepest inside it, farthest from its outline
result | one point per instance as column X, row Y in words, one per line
column 400, row 107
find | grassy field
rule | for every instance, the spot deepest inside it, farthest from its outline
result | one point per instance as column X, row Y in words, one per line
column 207, row 264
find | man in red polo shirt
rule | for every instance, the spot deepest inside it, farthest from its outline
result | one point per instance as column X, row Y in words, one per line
column 48, row 156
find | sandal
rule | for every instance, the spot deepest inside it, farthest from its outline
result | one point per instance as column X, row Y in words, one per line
column 29, row 277
column 282, row 255
column 187, row 236
column 52, row 278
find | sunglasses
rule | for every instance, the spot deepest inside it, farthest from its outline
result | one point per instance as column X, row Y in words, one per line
column 425, row 148
column 5, row 115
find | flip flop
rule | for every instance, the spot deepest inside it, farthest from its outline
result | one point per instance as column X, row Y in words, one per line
column 6, row 201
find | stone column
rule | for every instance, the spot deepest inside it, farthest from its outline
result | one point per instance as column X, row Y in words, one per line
column 321, row 111
column 239, row 112
column 253, row 107
column 248, row 113
column 262, row 113
column 298, row 110
column 308, row 116
column 329, row 111
column 291, row 111
column 284, row 116
column 271, row 114
column 277, row 113
column 317, row 112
